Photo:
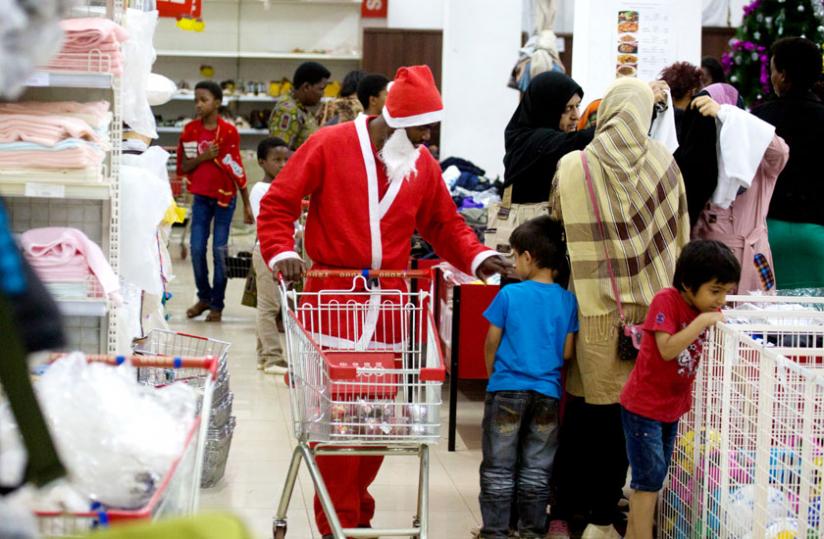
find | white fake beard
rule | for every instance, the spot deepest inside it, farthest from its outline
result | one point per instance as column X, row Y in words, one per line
column 399, row 155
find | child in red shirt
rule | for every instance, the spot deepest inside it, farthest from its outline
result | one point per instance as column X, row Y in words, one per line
column 208, row 154
column 659, row 389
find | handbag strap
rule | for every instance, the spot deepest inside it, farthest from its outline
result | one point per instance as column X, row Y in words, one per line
column 603, row 232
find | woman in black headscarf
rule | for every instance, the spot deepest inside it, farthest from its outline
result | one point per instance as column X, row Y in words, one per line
column 542, row 130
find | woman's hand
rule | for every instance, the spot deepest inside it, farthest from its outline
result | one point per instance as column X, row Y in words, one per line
column 706, row 106
column 659, row 90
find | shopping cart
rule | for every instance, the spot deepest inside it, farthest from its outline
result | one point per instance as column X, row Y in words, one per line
column 372, row 389
column 178, row 491
column 182, row 198
column 221, row 424
column 749, row 460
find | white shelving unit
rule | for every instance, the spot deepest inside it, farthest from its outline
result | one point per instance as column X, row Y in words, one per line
column 252, row 55
column 241, row 131
column 91, row 206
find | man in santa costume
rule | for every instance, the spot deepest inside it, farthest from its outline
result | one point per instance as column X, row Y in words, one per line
column 372, row 184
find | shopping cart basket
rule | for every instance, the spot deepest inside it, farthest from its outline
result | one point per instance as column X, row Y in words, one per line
column 178, row 492
column 372, row 389
column 749, row 459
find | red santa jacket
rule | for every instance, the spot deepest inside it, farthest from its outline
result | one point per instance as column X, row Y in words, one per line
column 350, row 225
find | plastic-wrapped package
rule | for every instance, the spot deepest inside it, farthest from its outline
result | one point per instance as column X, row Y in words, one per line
column 16, row 523
column 138, row 57
column 117, row 437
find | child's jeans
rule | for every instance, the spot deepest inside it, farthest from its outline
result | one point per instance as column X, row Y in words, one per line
column 649, row 447
column 269, row 350
column 520, row 438
column 204, row 211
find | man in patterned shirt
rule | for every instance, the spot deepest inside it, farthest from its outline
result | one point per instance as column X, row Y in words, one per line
column 290, row 119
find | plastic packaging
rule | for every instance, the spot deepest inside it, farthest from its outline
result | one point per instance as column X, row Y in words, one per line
column 16, row 522
column 117, row 437
column 138, row 57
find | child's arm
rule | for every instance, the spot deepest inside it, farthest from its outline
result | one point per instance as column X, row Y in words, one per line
column 493, row 340
column 189, row 165
column 248, row 218
column 672, row 345
column 569, row 347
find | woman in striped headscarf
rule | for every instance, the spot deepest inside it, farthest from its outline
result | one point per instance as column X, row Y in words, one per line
column 642, row 203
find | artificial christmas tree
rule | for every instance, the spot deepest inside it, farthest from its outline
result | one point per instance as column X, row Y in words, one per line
column 765, row 21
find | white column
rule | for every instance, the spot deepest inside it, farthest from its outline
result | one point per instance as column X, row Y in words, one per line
column 481, row 39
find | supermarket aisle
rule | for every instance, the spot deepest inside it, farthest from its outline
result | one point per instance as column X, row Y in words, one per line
column 263, row 442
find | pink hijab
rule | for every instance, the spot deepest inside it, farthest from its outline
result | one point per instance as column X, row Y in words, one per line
column 724, row 94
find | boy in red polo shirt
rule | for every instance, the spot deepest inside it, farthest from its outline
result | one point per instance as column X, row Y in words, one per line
column 659, row 389
column 208, row 154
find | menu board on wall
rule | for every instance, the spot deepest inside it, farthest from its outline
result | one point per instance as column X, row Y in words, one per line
column 643, row 38
column 632, row 38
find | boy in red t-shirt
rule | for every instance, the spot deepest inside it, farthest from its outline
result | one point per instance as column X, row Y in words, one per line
column 208, row 154
column 659, row 389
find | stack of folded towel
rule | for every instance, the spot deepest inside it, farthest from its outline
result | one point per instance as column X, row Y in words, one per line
column 70, row 265
column 92, row 44
column 61, row 141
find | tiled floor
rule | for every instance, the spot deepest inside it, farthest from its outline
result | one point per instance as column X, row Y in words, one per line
column 263, row 442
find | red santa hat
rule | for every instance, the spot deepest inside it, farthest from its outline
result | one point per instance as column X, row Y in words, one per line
column 412, row 99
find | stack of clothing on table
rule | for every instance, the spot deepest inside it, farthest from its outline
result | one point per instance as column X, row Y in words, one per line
column 92, row 45
column 58, row 141
column 70, row 265
column 471, row 190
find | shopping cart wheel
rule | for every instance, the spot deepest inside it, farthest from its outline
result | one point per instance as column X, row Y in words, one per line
column 279, row 529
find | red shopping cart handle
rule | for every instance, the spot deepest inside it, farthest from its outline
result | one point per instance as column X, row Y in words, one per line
column 370, row 273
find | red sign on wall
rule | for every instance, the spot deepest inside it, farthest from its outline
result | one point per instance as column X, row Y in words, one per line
column 374, row 9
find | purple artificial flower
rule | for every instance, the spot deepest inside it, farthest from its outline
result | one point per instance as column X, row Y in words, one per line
column 749, row 46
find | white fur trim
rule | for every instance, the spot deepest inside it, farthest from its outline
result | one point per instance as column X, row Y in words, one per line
column 412, row 121
column 372, row 188
column 479, row 259
column 391, row 194
column 282, row 256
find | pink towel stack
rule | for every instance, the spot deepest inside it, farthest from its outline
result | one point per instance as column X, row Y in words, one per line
column 92, row 44
column 69, row 263
column 56, row 136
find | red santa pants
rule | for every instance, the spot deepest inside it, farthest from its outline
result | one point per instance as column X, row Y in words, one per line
column 347, row 480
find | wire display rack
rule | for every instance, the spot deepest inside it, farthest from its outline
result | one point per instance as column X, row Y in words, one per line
column 749, row 460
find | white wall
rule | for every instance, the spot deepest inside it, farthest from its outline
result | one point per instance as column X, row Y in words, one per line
column 480, row 43
column 417, row 14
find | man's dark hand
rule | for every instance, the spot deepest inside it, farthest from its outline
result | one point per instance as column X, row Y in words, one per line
column 292, row 269
column 493, row 265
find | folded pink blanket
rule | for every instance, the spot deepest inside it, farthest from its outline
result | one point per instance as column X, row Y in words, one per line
column 47, row 130
column 70, row 158
column 91, row 32
column 92, row 109
column 56, row 246
column 87, row 63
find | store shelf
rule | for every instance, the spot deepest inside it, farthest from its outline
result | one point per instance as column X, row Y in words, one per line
column 260, row 55
column 241, row 131
column 230, row 98
column 66, row 79
column 83, row 307
column 26, row 187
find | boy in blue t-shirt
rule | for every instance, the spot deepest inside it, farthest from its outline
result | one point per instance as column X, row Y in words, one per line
column 531, row 333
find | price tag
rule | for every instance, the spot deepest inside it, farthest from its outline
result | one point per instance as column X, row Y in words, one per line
column 38, row 78
column 45, row 190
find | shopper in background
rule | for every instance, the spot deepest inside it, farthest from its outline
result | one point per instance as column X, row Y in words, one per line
column 712, row 72
column 737, row 219
column 208, row 154
column 291, row 119
column 272, row 154
column 627, row 170
column 659, row 389
column 796, row 222
column 531, row 334
column 684, row 80
column 372, row 94
column 542, row 130
column 371, row 186
column 346, row 106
